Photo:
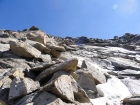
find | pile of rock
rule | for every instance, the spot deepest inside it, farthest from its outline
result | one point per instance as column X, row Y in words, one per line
column 40, row 69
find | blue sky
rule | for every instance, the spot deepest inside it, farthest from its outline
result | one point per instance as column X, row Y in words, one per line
column 91, row 18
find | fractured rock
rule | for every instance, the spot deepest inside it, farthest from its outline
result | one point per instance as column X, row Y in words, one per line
column 41, row 47
column 124, row 63
column 24, row 49
column 13, row 63
column 37, row 36
column 61, row 87
column 86, row 81
column 46, row 58
column 22, row 86
column 46, row 98
column 69, row 65
column 79, row 93
column 56, row 47
column 96, row 73
column 27, row 99
column 133, row 85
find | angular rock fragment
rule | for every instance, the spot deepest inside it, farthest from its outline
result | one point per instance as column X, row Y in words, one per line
column 55, row 53
column 41, row 47
column 86, row 81
column 37, row 36
column 124, row 63
column 61, row 87
column 23, row 49
column 46, row 98
column 79, row 93
column 22, row 86
column 69, row 65
column 18, row 73
column 132, row 100
column 27, row 99
column 42, row 66
column 13, row 63
column 98, row 76
column 46, row 58
column 56, row 47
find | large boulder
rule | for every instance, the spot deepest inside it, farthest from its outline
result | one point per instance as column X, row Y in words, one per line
column 98, row 76
column 13, row 63
column 22, row 86
column 24, row 49
column 69, row 65
column 41, row 47
column 86, row 81
column 38, row 36
column 79, row 93
column 114, row 90
column 61, row 87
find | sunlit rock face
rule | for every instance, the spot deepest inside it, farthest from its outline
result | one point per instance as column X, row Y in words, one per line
column 38, row 69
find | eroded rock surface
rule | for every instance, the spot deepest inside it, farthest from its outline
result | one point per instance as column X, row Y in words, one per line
column 40, row 69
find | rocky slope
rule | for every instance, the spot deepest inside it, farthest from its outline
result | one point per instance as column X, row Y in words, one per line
column 40, row 69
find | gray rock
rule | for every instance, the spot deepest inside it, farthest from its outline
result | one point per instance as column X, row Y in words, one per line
column 125, row 63
column 7, row 40
column 42, row 66
column 22, row 86
column 24, row 49
column 46, row 58
column 13, row 63
column 133, row 85
column 86, row 81
column 4, row 87
column 27, row 99
column 133, row 100
column 46, row 98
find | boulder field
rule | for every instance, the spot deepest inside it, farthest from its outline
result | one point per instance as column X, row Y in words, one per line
column 40, row 69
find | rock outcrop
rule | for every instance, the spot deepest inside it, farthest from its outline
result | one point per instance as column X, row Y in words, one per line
column 40, row 69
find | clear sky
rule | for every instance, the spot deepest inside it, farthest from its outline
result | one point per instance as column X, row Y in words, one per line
column 91, row 18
